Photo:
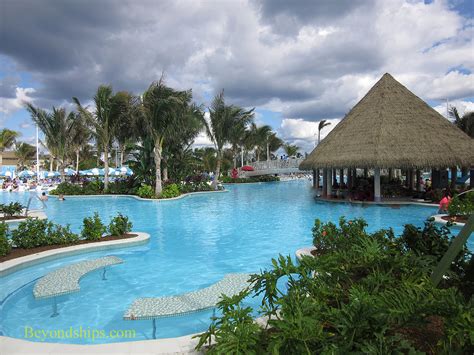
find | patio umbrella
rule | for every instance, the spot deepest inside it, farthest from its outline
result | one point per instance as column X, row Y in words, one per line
column 53, row 174
column 26, row 173
column 125, row 170
column 97, row 172
column 69, row 172
column 7, row 171
column 247, row 168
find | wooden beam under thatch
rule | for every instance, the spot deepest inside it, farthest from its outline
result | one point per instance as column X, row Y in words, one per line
column 392, row 128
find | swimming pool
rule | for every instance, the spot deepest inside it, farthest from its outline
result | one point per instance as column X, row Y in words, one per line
column 194, row 242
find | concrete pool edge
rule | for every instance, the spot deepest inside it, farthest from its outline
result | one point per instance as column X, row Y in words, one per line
column 140, row 198
column 13, row 265
column 179, row 345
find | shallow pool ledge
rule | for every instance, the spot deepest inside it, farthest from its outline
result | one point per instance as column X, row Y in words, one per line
column 9, row 266
column 439, row 220
column 306, row 251
column 180, row 345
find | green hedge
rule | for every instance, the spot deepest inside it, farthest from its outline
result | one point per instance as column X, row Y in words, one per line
column 5, row 245
column 262, row 178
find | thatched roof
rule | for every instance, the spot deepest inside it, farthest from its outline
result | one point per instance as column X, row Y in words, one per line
column 392, row 128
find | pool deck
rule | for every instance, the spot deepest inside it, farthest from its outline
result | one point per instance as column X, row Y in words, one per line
column 180, row 345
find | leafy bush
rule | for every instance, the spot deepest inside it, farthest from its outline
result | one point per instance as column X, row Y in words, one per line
column 145, row 191
column 363, row 293
column 11, row 209
column 262, row 178
column 169, row 191
column 93, row 188
column 93, row 228
column 5, row 246
column 34, row 233
column 66, row 188
column 462, row 205
column 194, row 187
column 120, row 225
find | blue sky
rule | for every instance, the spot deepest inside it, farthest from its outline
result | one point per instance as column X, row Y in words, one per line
column 296, row 62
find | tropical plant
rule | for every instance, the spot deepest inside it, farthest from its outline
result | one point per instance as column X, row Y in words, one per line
column 464, row 122
column 162, row 110
column 7, row 138
column 274, row 143
column 171, row 190
column 93, row 228
column 11, row 209
column 24, row 153
column 103, row 120
column 462, row 205
column 80, row 138
column 363, row 293
column 34, row 233
column 321, row 125
column 262, row 136
column 145, row 191
column 57, row 126
column 222, row 118
column 291, row 150
column 5, row 245
column 120, row 225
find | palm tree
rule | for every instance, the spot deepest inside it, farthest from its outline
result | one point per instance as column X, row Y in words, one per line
column 291, row 150
column 222, row 118
column 102, row 121
column 57, row 126
column 160, row 110
column 7, row 138
column 126, row 108
column 322, row 124
column 465, row 123
column 80, row 137
column 274, row 143
column 262, row 134
column 236, row 140
column 24, row 153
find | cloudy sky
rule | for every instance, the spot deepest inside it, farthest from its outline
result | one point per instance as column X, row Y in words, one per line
column 297, row 62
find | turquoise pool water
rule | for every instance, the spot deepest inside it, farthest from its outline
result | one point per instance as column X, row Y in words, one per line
column 195, row 241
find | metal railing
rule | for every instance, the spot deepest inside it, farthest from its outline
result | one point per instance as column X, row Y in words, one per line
column 290, row 163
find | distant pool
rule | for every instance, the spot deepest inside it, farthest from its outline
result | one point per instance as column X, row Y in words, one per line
column 195, row 241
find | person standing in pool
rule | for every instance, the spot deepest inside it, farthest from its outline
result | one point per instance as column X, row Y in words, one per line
column 444, row 203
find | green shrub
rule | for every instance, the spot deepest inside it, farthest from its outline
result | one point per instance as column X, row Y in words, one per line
column 93, row 188
column 194, row 187
column 145, row 191
column 11, row 209
column 66, row 188
column 363, row 293
column 262, row 178
column 169, row 191
column 34, row 233
column 93, row 228
column 462, row 205
column 120, row 225
column 5, row 246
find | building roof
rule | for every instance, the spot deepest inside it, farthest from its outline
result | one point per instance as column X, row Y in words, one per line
column 390, row 127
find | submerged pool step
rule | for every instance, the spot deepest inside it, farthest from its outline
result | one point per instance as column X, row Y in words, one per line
column 66, row 279
column 206, row 298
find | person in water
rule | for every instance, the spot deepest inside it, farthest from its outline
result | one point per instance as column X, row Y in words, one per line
column 444, row 203
column 44, row 197
column 61, row 197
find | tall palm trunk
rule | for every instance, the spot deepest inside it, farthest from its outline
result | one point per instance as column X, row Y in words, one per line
column 106, row 167
column 51, row 161
column 165, row 169
column 158, row 150
column 268, row 151
column 77, row 161
column 61, row 167
column 218, row 169
column 122, row 152
column 242, row 156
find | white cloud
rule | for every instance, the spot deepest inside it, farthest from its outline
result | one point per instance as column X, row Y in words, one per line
column 11, row 105
column 462, row 107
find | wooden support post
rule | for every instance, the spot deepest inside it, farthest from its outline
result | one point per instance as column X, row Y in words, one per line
column 349, row 178
column 341, row 177
column 329, row 186
column 334, row 177
column 366, row 173
column 454, row 176
column 418, row 176
column 377, row 195
column 314, row 179
column 317, row 179
column 325, row 182
column 390, row 174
